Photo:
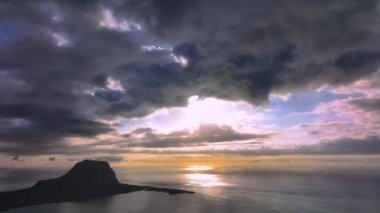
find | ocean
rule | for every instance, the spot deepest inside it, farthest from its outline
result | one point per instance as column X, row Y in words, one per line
column 236, row 190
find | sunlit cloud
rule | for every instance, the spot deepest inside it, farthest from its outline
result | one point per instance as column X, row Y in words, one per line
column 283, row 97
column 369, row 86
column 239, row 115
column 109, row 21
column 114, row 84
column 60, row 39
column 179, row 59
column 151, row 48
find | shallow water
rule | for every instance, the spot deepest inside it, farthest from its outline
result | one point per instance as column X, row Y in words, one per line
column 243, row 191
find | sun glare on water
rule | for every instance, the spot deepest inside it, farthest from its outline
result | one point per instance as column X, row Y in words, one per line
column 198, row 176
column 198, row 168
column 204, row 180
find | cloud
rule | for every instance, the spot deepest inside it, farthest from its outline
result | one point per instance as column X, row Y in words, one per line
column 348, row 145
column 341, row 146
column 110, row 159
column 368, row 145
column 356, row 59
column 109, row 95
column 367, row 104
column 205, row 134
column 143, row 130
column 370, row 86
column 56, row 57
column 39, row 127
column 242, row 52
column 357, row 117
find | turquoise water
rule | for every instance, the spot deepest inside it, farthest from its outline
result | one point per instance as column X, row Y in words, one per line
column 228, row 191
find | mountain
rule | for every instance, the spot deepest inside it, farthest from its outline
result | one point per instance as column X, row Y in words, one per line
column 86, row 180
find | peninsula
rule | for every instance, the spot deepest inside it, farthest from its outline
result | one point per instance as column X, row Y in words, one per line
column 86, row 180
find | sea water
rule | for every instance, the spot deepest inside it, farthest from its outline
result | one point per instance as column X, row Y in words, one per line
column 246, row 190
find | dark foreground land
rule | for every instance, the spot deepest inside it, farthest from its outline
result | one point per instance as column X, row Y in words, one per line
column 86, row 180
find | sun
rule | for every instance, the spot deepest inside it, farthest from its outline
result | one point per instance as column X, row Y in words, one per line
column 205, row 111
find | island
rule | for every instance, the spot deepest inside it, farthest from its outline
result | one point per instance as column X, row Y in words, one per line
column 88, row 179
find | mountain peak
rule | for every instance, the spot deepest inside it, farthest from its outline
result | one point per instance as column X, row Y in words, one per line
column 91, row 172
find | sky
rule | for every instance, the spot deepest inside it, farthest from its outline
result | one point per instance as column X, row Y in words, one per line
column 173, row 81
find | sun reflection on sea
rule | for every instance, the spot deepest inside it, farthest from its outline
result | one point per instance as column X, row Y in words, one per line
column 198, row 168
column 199, row 176
column 204, row 180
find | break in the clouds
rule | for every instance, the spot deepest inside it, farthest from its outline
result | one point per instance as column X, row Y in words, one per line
column 83, row 72
column 205, row 134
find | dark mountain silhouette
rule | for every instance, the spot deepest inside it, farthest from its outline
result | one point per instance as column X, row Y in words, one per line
column 87, row 179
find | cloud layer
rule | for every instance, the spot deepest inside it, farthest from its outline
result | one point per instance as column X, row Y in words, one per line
column 204, row 135
column 69, row 68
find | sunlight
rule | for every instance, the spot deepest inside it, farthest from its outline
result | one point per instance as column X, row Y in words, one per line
column 198, row 168
column 179, row 59
column 236, row 114
column 208, row 110
column 205, row 180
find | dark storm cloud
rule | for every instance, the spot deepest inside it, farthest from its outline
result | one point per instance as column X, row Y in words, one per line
column 244, row 50
column 53, row 147
column 149, row 87
column 44, row 124
column 44, row 84
column 356, row 59
column 56, row 58
column 109, row 95
column 204, row 135
column 367, row 104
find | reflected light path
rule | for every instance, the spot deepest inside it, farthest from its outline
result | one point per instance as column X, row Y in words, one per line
column 204, row 180
column 198, row 168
